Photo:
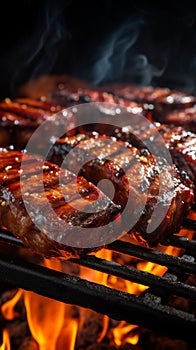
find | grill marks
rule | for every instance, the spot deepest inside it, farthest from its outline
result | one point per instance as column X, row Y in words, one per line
column 143, row 134
column 160, row 104
column 170, row 97
column 28, row 108
column 185, row 117
column 19, row 118
column 180, row 142
column 22, row 113
column 151, row 183
column 50, row 193
column 169, row 106
column 182, row 145
column 131, row 170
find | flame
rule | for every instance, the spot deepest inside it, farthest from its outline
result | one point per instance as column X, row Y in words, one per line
column 121, row 333
column 6, row 341
column 52, row 323
column 67, row 338
column 7, row 308
column 45, row 316
column 101, row 278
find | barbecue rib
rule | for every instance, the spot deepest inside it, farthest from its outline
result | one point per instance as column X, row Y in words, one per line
column 155, row 103
column 169, row 106
column 172, row 99
column 185, row 117
column 23, row 183
column 152, row 184
column 19, row 118
column 180, row 142
column 143, row 134
column 161, row 104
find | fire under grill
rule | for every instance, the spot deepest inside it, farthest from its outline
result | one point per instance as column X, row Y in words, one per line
column 150, row 309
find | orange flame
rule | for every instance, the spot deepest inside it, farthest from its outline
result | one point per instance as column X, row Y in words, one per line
column 7, row 308
column 51, row 322
column 98, row 277
column 45, row 316
column 121, row 333
column 67, row 338
column 6, row 341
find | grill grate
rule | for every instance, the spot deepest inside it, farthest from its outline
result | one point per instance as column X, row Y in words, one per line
column 21, row 268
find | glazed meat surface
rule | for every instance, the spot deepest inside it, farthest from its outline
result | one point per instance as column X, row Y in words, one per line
column 81, row 96
column 180, row 142
column 51, row 194
column 141, row 133
column 19, row 118
column 165, row 97
column 184, row 117
column 145, row 186
column 168, row 106
column 164, row 103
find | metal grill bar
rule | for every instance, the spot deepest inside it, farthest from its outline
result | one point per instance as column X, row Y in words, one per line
column 6, row 236
column 134, row 275
column 153, row 255
column 145, row 312
column 189, row 223
column 182, row 242
column 131, row 250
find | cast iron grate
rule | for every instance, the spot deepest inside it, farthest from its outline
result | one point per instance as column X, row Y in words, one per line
column 21, row 268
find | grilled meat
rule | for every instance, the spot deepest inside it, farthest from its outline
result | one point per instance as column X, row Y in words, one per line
column 184, row 117
column 68, row 99
column 143, row 134
column 180, row 142
column 106, row 111
column 167, row 98
column 169, row 106
column 19, row 118
column 144, row 94
column 147, row 188
column 182, row 146
column 164, row 103
column 27, row 183
column 45, row 85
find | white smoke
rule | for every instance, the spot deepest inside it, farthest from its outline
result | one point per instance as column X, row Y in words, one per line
column 117, row 58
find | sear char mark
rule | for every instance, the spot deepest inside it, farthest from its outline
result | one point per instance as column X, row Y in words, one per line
column 19, row 118
column 77, row 202
column 145, row 186
column 169, row 106
column 180, row 142
column 143, row 133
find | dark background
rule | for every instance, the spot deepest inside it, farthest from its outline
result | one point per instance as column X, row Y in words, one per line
column 145, row 42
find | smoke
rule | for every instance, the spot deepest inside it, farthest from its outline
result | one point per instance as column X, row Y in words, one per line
column 51, row 31
column 38, row 46
column 117, row 58
column 145, row 49
column 100, row 42
column 111, row 58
